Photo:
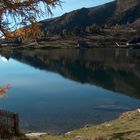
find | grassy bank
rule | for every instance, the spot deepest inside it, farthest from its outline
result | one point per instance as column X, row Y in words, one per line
column 70, row 42
column 126, row 127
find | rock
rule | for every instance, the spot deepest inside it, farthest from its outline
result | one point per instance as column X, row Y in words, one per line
column 34, row 135
column 68, row 133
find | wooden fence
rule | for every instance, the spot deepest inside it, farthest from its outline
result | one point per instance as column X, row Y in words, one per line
column 9, row 123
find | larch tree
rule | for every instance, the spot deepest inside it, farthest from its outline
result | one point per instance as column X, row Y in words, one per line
column 15, row 13
column 19, row 13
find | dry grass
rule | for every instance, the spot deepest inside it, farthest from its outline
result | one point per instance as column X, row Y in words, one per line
column 126, row 127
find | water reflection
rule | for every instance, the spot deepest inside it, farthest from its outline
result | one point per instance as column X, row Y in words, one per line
column 60, row 90
column 3, row 91
column 4, row 59
column 114, row 69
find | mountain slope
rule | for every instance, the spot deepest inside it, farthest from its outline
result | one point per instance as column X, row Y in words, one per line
column 127, row 11
column 116, row 12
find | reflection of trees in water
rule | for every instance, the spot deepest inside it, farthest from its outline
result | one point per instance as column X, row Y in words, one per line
column 3, row 90
column 113, row 69
column 97, row 73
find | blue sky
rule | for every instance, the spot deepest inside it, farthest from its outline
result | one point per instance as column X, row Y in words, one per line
column 70, row 5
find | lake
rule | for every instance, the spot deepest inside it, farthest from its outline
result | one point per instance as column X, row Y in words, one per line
column 58, row 90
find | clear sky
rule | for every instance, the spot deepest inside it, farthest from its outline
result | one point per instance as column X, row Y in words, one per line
column 70, row 5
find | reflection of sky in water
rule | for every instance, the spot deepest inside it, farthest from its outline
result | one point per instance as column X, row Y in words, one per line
column 47, row 101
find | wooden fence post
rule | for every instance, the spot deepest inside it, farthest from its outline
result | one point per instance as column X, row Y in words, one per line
column 16, row 124
column 9, row 123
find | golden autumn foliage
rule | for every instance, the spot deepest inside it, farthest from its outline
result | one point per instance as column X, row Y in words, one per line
column 32, row 31
column 15, row 13
column 3, row 90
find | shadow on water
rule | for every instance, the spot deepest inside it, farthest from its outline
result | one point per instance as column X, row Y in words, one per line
column 114, row 69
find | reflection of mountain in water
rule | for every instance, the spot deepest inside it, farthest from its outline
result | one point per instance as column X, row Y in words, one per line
column 113, row 69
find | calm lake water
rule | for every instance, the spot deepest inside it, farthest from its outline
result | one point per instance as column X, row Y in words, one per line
column 61, row 90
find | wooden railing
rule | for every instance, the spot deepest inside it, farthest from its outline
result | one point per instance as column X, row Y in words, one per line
column 9, row 123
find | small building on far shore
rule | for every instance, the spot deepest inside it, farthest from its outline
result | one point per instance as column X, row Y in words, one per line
column 134, row 42
column 82, row 44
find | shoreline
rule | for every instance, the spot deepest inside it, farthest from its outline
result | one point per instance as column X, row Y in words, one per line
column 95, row 41
column 127, row 126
